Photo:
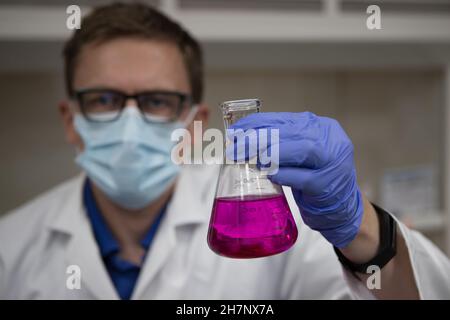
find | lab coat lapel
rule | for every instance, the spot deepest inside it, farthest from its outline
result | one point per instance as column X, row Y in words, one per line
column 189, row 206
column 160, row 249
column 82, row 249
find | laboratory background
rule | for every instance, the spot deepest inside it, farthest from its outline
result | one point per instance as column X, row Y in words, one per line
column 389, row 88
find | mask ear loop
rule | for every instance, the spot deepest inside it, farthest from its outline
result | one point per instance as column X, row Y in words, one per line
column 191, row 115
column 74, row 110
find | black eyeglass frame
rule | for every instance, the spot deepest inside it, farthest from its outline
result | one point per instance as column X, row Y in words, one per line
column 184, row 98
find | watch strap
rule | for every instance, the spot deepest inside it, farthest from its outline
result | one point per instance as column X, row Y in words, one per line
column 387, row 248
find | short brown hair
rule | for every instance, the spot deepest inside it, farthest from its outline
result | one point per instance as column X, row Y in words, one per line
column 134, row 20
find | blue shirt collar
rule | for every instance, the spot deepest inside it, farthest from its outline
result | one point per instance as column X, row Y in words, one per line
column 106, row 241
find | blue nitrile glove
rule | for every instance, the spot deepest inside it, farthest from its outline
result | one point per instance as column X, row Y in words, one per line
column 316, row 161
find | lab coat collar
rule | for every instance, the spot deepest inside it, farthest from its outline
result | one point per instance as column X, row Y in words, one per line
column 66, row 214
column 190, row 205
column 194, row 187
column 192, row 199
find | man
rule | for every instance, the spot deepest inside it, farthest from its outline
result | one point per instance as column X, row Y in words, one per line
column 134, row 225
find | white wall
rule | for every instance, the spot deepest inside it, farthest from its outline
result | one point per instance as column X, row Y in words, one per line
column 34, row 154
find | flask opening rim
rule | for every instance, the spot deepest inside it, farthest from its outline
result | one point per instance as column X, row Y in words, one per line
column 243, row 104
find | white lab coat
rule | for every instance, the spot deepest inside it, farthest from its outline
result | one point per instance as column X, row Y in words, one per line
column 40, row 240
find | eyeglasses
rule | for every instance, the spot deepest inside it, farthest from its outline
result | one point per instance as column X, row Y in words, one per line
column 106, row 105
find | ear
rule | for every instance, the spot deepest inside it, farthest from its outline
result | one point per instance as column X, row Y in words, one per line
column 71, row 134
column 202, row 114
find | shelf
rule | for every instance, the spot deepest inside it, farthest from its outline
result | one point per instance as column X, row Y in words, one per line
column 22, row 22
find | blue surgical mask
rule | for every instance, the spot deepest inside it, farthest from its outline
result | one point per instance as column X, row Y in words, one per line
column 129, row 159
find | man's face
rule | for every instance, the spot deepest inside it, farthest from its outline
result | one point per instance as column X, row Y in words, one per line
column 129, row 65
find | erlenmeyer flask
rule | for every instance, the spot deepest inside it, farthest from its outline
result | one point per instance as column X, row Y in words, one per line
column 250, row 216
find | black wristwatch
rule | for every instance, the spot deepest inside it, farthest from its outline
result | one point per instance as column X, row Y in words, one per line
column 386, row 250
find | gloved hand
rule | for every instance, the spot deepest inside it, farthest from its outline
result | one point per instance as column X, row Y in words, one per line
column 316, row 161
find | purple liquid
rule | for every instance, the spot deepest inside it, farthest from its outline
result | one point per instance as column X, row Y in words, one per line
column 251, row 227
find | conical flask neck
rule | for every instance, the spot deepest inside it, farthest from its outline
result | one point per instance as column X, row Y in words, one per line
column 237, row 109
